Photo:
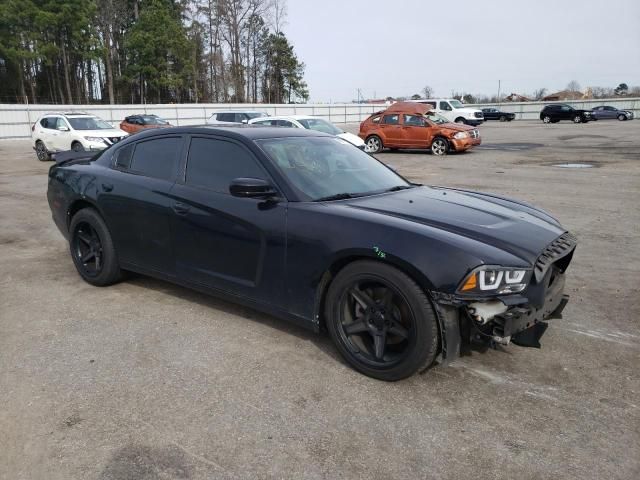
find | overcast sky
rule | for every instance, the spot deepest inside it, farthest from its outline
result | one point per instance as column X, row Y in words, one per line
column 396, row 47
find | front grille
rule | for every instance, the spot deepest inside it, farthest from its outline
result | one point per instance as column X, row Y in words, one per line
column 478, row 114
column 474, row 133
column 559, row 248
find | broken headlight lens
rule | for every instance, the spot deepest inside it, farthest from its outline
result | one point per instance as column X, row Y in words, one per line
column 495, row 280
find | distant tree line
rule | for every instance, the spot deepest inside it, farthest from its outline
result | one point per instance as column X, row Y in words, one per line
column 147, row 51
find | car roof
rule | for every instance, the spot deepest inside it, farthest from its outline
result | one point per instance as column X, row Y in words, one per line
column 290, row 117
column 409, row 107
column 251, row 132
column 238, row 110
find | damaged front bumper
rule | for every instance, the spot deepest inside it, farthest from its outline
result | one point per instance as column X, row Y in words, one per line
column 520, row 319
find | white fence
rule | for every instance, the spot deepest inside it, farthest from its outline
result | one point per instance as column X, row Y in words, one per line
column 16, row 120
column 531, row 110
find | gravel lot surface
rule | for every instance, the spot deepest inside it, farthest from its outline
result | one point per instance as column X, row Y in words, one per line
column 146, row 380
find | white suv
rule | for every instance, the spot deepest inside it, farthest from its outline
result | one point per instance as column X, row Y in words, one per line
column 55, row 132
column 235, row 116
column 454, row 110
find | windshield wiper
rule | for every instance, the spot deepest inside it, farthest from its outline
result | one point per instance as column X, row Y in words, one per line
column 337, row 196
column 398, row 188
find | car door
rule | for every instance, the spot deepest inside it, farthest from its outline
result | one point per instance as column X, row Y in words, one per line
column 416, row 131
column 610, row 112
column 391, row 130
column 236, row 245
column 134, row 197
column 55, row 137
column 566, row 112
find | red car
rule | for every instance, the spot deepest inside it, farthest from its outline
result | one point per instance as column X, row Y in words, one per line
column 412, row 125
column 136, row 123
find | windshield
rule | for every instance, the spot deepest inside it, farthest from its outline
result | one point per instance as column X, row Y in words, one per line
column 456, row 104
column 88, row 123
column 255, row 115
column 435, row 118
column 322, row 167
column 153, row 120
column 320, row 125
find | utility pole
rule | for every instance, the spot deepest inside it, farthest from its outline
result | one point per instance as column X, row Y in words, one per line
column 359, row 106
column 498, row 92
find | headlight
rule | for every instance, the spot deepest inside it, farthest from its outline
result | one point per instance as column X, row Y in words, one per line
column 94, row 139
column 461, row 135
column 495, row 280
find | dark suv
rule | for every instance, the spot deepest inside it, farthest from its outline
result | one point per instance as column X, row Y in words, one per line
column 560, row 111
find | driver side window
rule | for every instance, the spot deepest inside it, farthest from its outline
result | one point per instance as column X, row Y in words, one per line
column 445, row 106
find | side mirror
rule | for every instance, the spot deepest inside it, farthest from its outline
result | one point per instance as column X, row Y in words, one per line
column 251, row 188
column 63, row 128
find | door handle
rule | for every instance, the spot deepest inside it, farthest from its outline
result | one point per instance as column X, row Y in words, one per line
column 181, row 208
column 107, row 187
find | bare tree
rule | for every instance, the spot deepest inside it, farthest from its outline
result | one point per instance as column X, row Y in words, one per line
column 573, row 86
column 427, row 91
column 539, row 93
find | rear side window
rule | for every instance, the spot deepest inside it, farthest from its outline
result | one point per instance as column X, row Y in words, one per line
column 226, row 117
column 391, row 119
column 213, row 164
column 375, row 119
column 445, row 106
column 157, row 158
column 123, row 156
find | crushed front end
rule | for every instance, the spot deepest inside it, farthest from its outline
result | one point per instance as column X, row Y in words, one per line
column 500, row 305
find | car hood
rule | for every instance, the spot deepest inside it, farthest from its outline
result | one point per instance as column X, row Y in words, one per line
column 517, row 228
column 468, row 110
column 351, row 138
column 456, row 127
column 104, row 132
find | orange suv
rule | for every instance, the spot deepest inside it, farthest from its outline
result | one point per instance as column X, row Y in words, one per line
column 412, row 125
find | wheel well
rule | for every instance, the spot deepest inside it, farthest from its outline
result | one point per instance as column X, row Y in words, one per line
column 338, row 265
column 76, row 207
column 460, row 118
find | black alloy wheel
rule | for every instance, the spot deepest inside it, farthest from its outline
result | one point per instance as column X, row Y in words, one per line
column 381, row 321
column 92, row 249
column 87, row 248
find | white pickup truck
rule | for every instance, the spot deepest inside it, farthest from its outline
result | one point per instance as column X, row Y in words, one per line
column 454, row 110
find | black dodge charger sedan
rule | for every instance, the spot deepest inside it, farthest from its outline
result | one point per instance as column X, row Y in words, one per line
column 307, row 227
column 495, row 114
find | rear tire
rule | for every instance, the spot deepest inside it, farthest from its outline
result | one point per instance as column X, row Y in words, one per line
column 546, row 119
column 503, row 118
column 373, row 144
column 577, row 119
column 41, row 152
column 381, row 321
column 92, row 250
column 439, row 146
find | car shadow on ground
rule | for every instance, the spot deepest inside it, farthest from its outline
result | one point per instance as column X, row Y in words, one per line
column 321, row 340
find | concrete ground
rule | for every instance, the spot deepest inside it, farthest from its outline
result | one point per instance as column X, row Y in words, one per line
column 146, row 380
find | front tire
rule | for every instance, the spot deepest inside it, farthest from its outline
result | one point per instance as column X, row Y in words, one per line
column 577, row 119
column 41, row 152
column 381, row 321
column 461, row 120
column 622, row 118
column 92, row 249
column 439, row 146
column 503, row 118
column 77, row 147
column 373, row 144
